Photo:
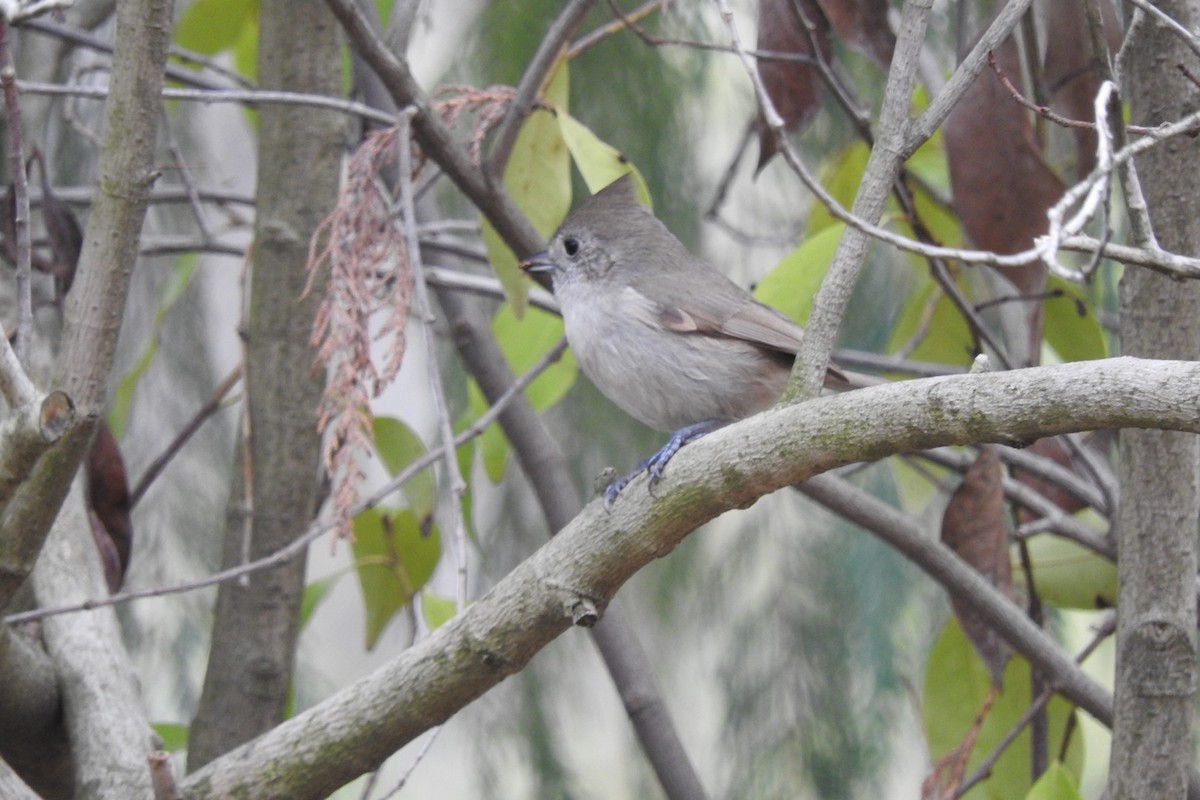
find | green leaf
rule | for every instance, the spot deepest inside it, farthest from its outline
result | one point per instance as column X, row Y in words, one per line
column 792, row 283
column 437, row 610
column 122, row 402
column 929, row 164
column 598, row 162
column 174, row 735
column 956, row 683
column 523, row 342
column 841, row 179
column 398, row 446
column 314, row 594
column 492, row 444
column 245, row 50
column 914, row 486
column 214, row 26
column 1068, row 575
column 944, row 338
column 395, row 553
column 1056, row 783
column 1075, row 336
column 538, row 176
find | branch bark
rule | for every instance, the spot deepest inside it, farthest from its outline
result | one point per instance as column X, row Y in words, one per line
column 102, row 706
column 315, row 752
column 1156, row 672
column 96, row 304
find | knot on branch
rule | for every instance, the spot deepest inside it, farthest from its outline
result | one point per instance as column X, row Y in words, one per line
column 1165, row 659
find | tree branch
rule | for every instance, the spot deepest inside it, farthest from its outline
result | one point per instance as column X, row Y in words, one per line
column 433, row 135
column 96, row 306
column 964, row 584
column 551, row 45
column 313, row 753
column 102, row 705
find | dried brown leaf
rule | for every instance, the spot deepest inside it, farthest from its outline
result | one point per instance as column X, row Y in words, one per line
column 62, row 230
column 794, row 87
column 973, row 526
column 1070, row 73
column 1002, row 185
column 1054, row 449
column 109, row 506
column 863, row 25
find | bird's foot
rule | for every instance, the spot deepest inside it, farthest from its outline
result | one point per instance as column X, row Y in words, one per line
column 655, row 464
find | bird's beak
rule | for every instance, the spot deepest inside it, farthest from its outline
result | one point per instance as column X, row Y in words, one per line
column 539, row 267
column 537, row 263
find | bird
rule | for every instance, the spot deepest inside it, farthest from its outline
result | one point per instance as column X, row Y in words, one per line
column 663, row 334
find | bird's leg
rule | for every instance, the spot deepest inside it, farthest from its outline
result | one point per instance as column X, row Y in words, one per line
column 657, row 462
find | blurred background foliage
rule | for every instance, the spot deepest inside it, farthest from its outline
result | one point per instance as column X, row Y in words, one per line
column 799, row 656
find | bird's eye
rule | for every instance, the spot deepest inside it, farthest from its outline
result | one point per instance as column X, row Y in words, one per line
column 571, row 246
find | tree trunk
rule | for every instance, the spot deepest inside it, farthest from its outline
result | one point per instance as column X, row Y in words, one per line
column 1156, row 521
column 254, row 634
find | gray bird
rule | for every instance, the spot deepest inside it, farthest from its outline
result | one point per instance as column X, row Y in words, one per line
column 661, row 333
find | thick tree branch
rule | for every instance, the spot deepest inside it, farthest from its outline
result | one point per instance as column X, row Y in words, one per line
column 12, row 787
column 95, row 307
column 965, row 584
column 313, row 753
column 1156, row 671
column 105, row 719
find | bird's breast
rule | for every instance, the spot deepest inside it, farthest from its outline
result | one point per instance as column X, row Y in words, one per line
column 666, row 379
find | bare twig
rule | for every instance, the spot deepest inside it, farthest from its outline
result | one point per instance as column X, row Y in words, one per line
column 185, row 178
column 16, row 388
column 939, row 562
column 430, row 738
column 15, row 11
column 547, row 55
column 162, row 777
column 20, row 190
column 629, row 21
column 1044, row 111
column 924, row 126
column 458, row 486
column 1023, row 495
column 485, row 285
column 317, row 528
column 985, row 766
column 250, row 97
column 433, row 135
column 188, row 77
column 619, row 24
column 193, row 425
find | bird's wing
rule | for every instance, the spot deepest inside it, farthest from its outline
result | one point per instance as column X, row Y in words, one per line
column 736, row 315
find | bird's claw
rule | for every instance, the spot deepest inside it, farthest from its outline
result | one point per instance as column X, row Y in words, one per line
column 614, row 489
column 655, row 464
